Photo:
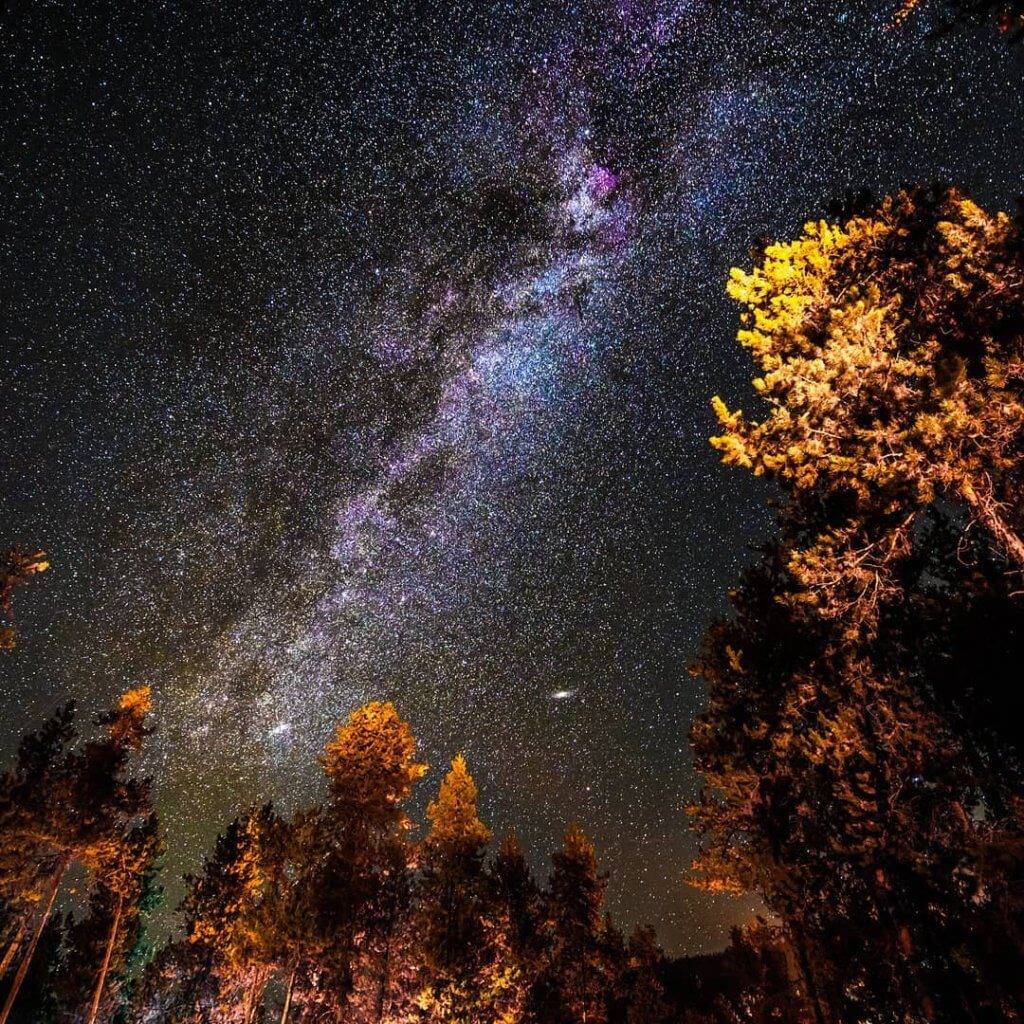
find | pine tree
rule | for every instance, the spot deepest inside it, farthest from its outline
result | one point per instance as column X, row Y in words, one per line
column 110, row 930
column 890, row 351
column 79, row 811
column 515, row 890
column 646, row 1001
column 219, row 969
column 34, row 791
column 459, row 935
column 573, row 986
column 18, row 569
column 849, row 731
column 370, row 771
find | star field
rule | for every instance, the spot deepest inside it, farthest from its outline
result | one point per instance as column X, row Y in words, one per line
column 353, row 354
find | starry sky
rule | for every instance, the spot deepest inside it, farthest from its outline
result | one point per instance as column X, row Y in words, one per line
column 356, row 351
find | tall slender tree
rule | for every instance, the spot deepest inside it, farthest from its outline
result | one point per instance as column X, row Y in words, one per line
column 107, row 934
column 461, row 940
column 30, row 793
column 17, row 570
column 573, row 986
column 78, row 811
column 370, row 769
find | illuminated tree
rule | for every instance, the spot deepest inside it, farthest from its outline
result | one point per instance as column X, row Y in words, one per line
column 457, row 942
column 516, row 891
column 853, row 727
column 370, row 769
column 18, row 569
column 111, row 928
column 573, row 984
column 227, row 958
column 892, row 373
column 28, row 793
column 646, row 1002
column 80, row 811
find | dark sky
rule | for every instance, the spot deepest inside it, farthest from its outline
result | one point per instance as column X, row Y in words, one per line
column 365, row 350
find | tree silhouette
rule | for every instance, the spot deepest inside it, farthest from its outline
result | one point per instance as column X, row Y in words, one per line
column 572, row 986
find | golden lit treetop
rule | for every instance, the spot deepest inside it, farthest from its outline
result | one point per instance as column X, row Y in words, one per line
column 576, row 845
column 370, row 760
column 453, row 815
column 511, row 848
column 891, row 360
column 127, row 725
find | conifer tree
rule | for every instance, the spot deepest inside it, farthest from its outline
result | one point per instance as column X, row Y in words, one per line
column 850, row 731
column 84, row 813
column 31, row 793
column 17, row 570
column 573, row 986
column 219, row 968
column 370, row 770
column 516, row 891
column 109, row 931
column 890, row 350
column 234, row 921
column 459, row 940
column 646, row 1002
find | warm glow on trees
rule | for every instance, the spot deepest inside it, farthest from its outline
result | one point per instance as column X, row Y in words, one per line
column 17, row 570
column 856, row 692
column 891, row 358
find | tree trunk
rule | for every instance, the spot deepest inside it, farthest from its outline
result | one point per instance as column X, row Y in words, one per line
column 813, row 996
column 252, row 995
column 382, row 988
column 247, row 1003
column 115, row 927
column 12, row 948
column 909, row 967
column 26, row 960
column 987, row 513
column 287, row 995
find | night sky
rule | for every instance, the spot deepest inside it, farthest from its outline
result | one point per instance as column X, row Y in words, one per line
column 354, row 351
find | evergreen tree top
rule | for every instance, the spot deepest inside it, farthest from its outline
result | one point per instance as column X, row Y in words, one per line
column 453, row 815
column 370, row 760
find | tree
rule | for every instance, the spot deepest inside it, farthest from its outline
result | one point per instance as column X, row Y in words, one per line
column 110, row 930
column 16, row 572
column 572, row 986
column 27, row 796
column 218, row 969
column 646, row 1002
column 79, row 809
column 370, row 769
column 464, row 970
column 892, row 371
column 516, row 891
column 850, row 737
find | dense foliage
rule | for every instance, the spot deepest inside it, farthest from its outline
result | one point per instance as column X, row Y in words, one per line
column 336, row 913
column 862, row 749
